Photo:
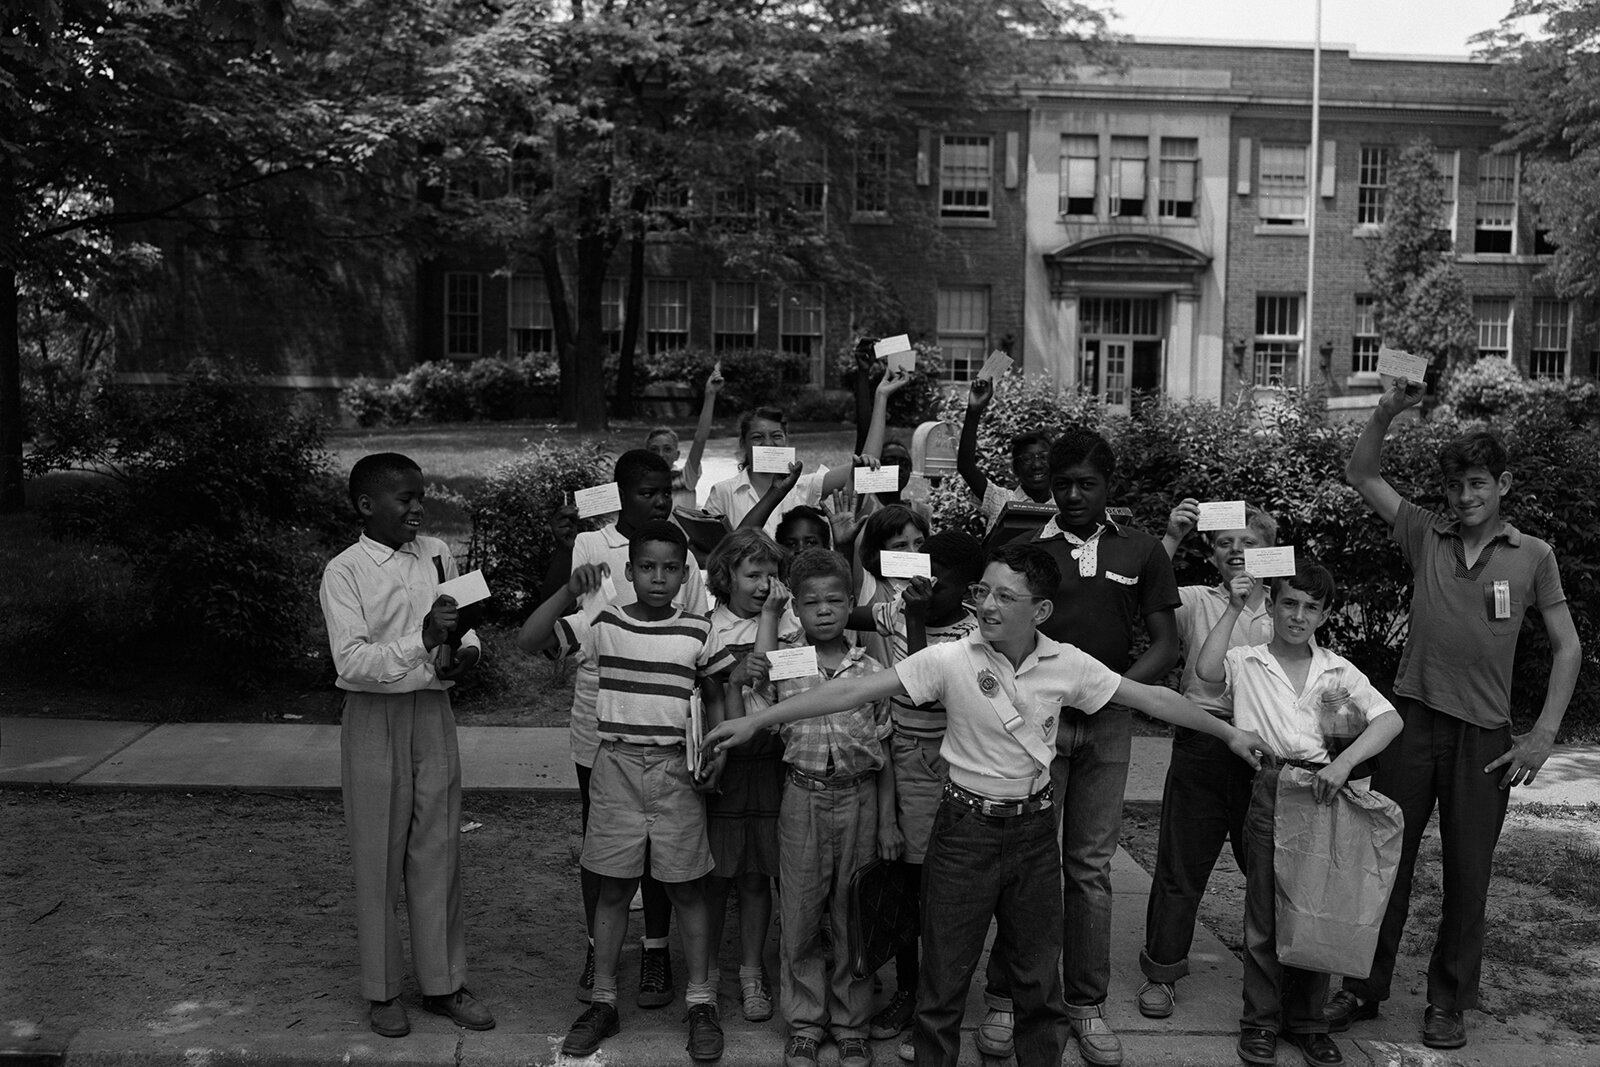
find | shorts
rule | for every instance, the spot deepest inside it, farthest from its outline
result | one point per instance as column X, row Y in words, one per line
column 642, row 795
column 919, row 775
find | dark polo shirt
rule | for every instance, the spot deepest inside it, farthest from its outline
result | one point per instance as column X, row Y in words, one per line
column 1458, row 653
column 1100, row 614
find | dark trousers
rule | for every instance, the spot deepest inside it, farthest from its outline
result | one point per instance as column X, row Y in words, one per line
column 1440, row 758
column 1276, row 997
column 980, row 867
column 1202, row 804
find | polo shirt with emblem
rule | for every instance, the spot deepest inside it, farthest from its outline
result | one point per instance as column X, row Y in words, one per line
column 1202, row 608
column 982, row 755
column 1264, row 699
column 1458, row 654
column 1107, row 589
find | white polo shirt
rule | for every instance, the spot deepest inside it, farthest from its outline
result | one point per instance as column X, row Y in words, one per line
column 981, row 753
column 1264, row 699
column 1202, row 608
column 732, row 498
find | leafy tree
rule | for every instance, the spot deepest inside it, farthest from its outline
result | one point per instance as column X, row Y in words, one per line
column 1422, row 302
column 718, row 121
column 1548, row 52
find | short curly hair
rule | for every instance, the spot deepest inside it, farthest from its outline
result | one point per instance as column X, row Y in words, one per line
column 817, row 563
column 740, row 547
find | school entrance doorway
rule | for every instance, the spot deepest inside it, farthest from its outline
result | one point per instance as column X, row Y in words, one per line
column 1121, row 344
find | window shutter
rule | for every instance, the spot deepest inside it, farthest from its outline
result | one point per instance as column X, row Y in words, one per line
column 1330, row 155
column 1013, row 146
column 1242, row 185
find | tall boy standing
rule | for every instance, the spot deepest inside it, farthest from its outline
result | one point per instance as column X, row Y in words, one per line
column 651, row 656
column 1281, row 689
column 400, row 767
column 993, row 853
column 1474, row 577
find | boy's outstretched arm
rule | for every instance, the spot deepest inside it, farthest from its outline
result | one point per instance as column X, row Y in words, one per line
column 1163, row 703
column 538, row 633
column 1364, row 470
column 967, row 447
column 829, row 697
column 1529, row 751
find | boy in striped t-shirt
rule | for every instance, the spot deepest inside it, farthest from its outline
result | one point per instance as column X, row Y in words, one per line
column 651, row 655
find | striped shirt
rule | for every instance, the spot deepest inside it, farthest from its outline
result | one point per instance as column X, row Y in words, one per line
column 840, row 745
column 648, row 670
column 912, row 719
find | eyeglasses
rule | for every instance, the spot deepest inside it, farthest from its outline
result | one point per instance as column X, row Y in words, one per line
column 977, row 593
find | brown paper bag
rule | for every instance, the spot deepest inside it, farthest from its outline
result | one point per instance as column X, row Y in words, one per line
column 1334, row 865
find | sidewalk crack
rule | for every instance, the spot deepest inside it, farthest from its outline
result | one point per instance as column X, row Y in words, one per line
column 461, row 1048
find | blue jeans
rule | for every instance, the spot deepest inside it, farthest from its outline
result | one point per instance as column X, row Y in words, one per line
column 1089, row 774
column 980, row 867
column 1276, row 997
column 1202, row 804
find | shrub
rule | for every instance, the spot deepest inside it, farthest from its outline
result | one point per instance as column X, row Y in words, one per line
column 510, row 512
column 227, row 504
column 450, row 391
column 822, row 405
column 1486, row 388
column 753, row 376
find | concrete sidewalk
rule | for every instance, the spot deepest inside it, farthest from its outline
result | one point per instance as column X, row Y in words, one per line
column 331, row 1029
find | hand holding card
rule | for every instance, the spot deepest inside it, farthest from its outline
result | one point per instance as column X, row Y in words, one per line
column 1221, row 515
column 1395, row 363
column 467, row 589
column 598, row 500
column 1269, row 562
column 770, row 459
column 882, row 480
column 905, row 564
column 792, row 663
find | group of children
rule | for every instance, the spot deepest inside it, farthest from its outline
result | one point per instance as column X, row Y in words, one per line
column 972, row 727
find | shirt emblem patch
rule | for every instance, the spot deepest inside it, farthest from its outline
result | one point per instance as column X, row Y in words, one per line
column 988, row 684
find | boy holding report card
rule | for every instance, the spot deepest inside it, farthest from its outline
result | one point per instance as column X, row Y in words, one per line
column 993, row 852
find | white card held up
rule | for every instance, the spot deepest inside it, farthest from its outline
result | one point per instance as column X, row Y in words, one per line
column 996, row 366
column 598, row 500
column 467, row 589
column 905, row 564
column 882, row 480
column 792, row 663
column 1221, row 515
column 900, row 342
column 1394, row 363
column 1269, row 562
column 771, row 459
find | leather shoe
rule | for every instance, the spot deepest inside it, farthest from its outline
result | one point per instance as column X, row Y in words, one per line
column 592, row 1027
column 388, row 1018
column 705, row 1033
column 1442, row 1028
column 1346, row 1008
column 1097, row 1042
column 1258, row 1046
column 1156, row 999
column 994, row 1033
column 1318, row 1050
column 463, row 1009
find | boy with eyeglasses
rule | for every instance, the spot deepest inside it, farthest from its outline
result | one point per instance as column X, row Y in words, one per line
column 993, row 852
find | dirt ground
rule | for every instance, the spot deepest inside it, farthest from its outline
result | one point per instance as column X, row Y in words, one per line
column 169, row 913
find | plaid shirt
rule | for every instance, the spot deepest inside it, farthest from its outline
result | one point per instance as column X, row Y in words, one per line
column 841, row 745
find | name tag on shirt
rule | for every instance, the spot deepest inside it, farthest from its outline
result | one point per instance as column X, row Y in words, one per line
column 1499, row 599
column 471, row 588
column 1269, row 562
column 770, row 459
column 792, row 663
column 905, row 564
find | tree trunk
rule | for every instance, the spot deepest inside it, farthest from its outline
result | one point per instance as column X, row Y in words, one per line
column 561, row 318
column 11, row 496
column 589, row 381
column 626, row 356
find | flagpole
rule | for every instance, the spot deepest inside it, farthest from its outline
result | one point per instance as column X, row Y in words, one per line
column 1313, row 183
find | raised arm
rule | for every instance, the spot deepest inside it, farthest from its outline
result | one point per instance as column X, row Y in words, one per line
column 538, row 633
column 1364, row 470
column 978, row 398
column 877, row 427
column 1183, row 518
column 866, row 361
column 702, row 432
column 1209, row 664
column 756, row 518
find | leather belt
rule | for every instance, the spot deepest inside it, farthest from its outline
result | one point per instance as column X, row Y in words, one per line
column 999, row 809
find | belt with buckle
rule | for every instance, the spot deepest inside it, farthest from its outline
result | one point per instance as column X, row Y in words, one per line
column 812, row 781
column 999, row 809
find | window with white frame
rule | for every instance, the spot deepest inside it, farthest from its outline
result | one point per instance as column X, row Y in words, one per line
column 611, row 312
column 1180, row 168
column 800, row 319
column 1372, row 186
column 1496, row 228
column 1130, row 161
column 1547, row 356
column 1445, row 159
column 963, row 324
column 806, row 182
column 1282, row 200
column 463, row 315
column 532, row 324
column 870, row 184
column 666, row 314
column 733, row 315
column 1494, row 325
column 1365, row 341
column 1277, row 340
column 966, row 176
column 1080, row 173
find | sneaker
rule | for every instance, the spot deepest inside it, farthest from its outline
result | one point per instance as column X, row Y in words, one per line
column 895, row 1016
column 586, row 979
column 388, row 1018
column 1097, row 1042
column 854, row 1052
column 705, row 1033
column 655, row 978
column 801, row 1051
column 1345, row 1008
column 463, row 1009
column 757, row 997
column 907, row 1050
column 593, row 1026
column 994, row 1033
column 1156, row 999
